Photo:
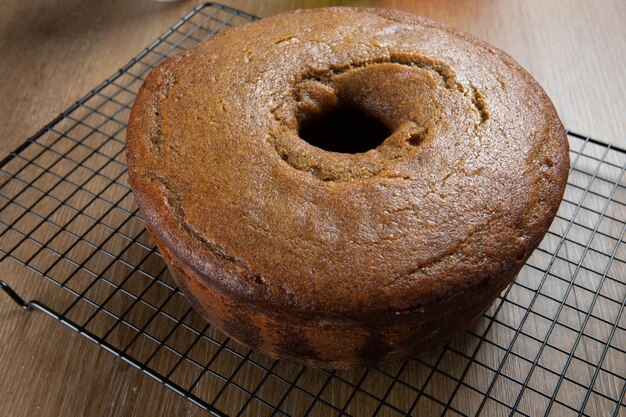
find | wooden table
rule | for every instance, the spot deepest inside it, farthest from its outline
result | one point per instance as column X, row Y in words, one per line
column 54, row 51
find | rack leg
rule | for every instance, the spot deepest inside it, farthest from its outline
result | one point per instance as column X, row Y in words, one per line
column 19, row 300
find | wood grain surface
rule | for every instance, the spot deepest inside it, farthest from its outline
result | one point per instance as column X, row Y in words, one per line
column 54, row 51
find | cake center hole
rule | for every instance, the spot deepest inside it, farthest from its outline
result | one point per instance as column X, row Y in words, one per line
column 344, row 129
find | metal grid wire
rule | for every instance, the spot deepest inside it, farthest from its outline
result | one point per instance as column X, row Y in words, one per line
column 554, row 343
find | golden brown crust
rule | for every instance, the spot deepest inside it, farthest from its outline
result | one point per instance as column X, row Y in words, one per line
column 452, row 203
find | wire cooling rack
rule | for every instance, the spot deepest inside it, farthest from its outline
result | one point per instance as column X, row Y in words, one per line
column 554, row 343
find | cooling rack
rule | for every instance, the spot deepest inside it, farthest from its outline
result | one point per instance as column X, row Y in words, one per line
column 554, row 343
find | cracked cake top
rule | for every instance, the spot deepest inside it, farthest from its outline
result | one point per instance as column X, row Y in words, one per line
column 457, row 195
